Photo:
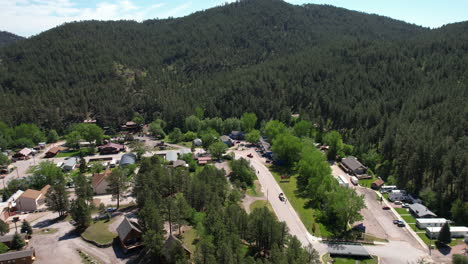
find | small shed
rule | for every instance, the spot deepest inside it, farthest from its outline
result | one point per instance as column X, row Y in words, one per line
column 127, row 159
column 129, row 234
column 430, row 222
column 377, row 184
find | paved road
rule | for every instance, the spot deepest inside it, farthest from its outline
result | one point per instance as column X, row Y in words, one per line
column 283, row 210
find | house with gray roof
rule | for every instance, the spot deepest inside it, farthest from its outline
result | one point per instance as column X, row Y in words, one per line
column 227, row 140
column 421, row 211
column 171, row 156
column 353, row 166
column 26, row 256
column 70, row 164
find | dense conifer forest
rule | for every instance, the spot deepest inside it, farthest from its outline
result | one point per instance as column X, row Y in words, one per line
column 7, row 38
column 395, row 91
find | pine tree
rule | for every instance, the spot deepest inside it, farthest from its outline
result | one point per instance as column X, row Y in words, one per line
column 117, row 184
column 81, row 213
column 26, row 228
column 4, row 228
column 57, row 198
column 83, row 188
column 17, row 242
column 444, row 235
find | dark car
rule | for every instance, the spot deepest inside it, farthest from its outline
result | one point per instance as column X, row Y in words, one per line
column 386, row 208
column 396, row 221
column 281, row 197
column 250, row 156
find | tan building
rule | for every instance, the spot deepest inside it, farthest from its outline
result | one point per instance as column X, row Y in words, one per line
column 26, row 256
column 100, row 183
column 32, row 200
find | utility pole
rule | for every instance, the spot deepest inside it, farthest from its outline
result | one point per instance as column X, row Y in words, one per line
column 16, row 219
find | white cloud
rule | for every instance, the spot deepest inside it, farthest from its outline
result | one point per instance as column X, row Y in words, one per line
column 176, row 11
column 27, row 17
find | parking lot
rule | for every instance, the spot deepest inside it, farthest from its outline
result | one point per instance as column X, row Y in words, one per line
column 379, row 222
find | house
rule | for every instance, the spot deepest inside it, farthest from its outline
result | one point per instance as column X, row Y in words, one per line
column 26, row 256
column 421, row 211
column 184, row 151
column 227, row 140
column 179, row 163
column 23, row 154
column 168, row 247
column 111, row 148
column 203, row 160
column 358, row 250
column 455, row 231
column 398, row 196
column 197, row 142
column 129, row 234
column 100, row 183
column 6, row 239
column 377, row 184
column 127, row 159
column 70, row 164
column 237, row 135
column 171, row 156
column 422, row 223
column 8, row 207
column 353, row 166
column 32, row 200
column 54, row 151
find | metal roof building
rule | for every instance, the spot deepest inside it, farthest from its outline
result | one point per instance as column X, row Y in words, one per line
column 127, row 159
column 347, row 250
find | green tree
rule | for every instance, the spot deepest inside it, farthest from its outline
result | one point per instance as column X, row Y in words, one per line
column 73, row 139
column 335, row 143
column 343, row 207
column 80, row 213
column 83, row 188
column 459, row 212
column 3, row 248
column 52, row 136
column 444, row 235
column 303, row 129
column 4, row 228
column 57, row 197
column 253, row 136
column 118, row 184
column 209, row 137
column 4, row 160
column 46, row 173
column 176, row 136
column 96, row 167
column 192, row 123
column 429, row 197
column 231, row 124
column 182, row 211
column 138, row 119
column 242, row 171
column 156, row 129
column 459, row 259
column 17, row 242
column 249, row 120
column 217, row 149
column 199, row 112
column 287, row 147
column 190, row 136
column 274, row 128
column 26, row 228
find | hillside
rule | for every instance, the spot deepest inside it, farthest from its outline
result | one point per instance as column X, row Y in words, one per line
column 395, row 90
column 7, row 38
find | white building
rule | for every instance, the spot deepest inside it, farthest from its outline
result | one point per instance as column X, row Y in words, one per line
column 455, row 231
column 422, row 223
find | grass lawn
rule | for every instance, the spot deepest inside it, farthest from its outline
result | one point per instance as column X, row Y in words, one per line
column 260, row 204
column 189, row 238
column 255, row 190
column 67, row 154
column 401, row 211
column 354, row 261
column 306, row 214
column 367, row 182
column 415, row 228
column 99, row 232
column 409, row 218
column 187, row 144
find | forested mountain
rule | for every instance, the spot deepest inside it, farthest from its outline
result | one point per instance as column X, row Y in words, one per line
column 8, row 38
column 395, row 90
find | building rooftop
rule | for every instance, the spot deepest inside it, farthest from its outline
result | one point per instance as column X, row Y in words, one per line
column 436, row 229
column 125, row 227
column 352, row 163
column 17, row 254
column 127, row 159
column 99, row 177
column 431, row 220
column 347, row 250
column 171, row 155
column 420, row 210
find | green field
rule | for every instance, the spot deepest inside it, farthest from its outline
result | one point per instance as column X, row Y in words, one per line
column 305, row 213
column 367, row 182
column 354, row 261
column 67, row 154
column 260, row 204
column 255, row 190
column 99, row 232
column 401, row 211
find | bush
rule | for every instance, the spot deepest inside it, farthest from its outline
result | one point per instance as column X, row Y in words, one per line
column 3, row 248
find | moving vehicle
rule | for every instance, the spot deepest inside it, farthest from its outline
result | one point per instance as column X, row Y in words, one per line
column 281, row 197
column 250, row 156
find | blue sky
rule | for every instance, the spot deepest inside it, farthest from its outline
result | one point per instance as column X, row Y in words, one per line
column 30, row 17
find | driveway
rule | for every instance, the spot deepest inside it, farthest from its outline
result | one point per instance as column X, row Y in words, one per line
column 61, row 247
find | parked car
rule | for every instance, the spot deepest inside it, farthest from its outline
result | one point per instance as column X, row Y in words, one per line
column 111, row 209
column 396, row 221
column 268, row 161
column 405, row 205
column 401, row 224
column 250, row 156
column 397, row 202
column 386, row 208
